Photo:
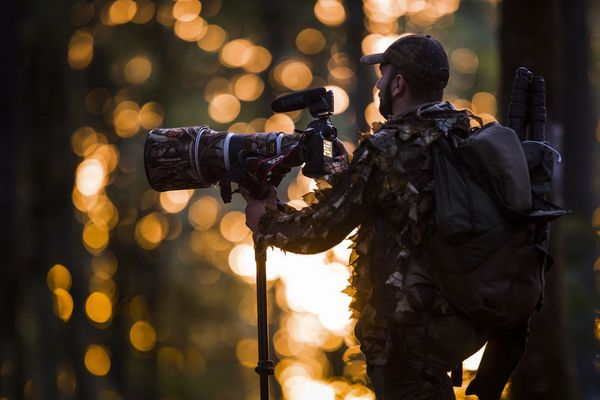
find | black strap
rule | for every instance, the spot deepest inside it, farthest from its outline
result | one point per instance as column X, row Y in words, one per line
column 502, row 354
column 457, row 375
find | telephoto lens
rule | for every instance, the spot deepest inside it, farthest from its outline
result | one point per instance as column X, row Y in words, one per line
column 199, row 157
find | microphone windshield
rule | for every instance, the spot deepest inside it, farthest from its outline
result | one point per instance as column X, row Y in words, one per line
column 297, row 100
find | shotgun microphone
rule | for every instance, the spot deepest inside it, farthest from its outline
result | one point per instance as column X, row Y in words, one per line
column 319, row 97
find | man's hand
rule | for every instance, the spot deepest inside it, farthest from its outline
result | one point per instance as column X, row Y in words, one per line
column 255, row 208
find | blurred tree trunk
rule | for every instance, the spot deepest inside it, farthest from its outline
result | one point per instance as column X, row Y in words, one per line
column 362, row 94
column 8, row 350
column 579, row 118
column 274, row 16
column 38, row 183
column 548, row 369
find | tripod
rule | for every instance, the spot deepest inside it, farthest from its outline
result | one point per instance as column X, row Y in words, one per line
column 265, row 366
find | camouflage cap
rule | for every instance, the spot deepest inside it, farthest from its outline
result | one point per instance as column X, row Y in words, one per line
column 420, row 57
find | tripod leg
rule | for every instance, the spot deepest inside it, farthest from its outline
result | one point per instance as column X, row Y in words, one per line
column 265, row 366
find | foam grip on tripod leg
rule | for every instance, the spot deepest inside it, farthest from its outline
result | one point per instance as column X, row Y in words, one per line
column 537, row 110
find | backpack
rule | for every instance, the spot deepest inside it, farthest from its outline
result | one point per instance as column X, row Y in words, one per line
column 490, row 248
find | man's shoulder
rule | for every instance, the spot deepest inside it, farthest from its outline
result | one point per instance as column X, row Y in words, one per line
column 384, row 139
column 427, row 123
column 420, row 128
column 397, row 134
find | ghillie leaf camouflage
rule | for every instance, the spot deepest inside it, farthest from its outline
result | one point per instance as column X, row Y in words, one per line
column 387, row 190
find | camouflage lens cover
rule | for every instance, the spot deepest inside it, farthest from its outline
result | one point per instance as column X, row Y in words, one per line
column 171, row 158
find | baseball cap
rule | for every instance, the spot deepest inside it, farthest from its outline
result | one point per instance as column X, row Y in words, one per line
column 420, row 57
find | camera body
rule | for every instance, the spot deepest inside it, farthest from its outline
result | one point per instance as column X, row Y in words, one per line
column 197, row 157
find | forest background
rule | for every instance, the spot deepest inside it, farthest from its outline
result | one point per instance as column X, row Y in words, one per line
column 109, row 290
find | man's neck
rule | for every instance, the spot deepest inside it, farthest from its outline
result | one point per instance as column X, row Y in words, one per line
column 402, row 110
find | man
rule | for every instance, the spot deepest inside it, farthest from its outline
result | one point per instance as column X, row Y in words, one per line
column 409, row 333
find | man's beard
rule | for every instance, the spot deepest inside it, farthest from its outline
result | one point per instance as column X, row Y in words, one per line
column 385, row 101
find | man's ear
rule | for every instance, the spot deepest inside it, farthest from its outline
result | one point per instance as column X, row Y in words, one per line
column 398, row 85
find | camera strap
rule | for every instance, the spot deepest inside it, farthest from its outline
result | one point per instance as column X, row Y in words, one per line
column 258, row 173
column 266, row 167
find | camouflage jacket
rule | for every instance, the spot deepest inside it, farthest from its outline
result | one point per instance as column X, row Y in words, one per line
column 387, row 190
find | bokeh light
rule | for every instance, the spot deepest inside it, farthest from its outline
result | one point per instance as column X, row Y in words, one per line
column 224, row 108
column 95, row 237
column 165, row 14
column 342, row 74
column 137, row 70
column 107, row 154
column 145, row 11
column 66, row 380
column 217, row 85
column 330, row 12
column 242, row 263
column 203, row 212
column 104, row 266
column 484, row 102
column 81, row 49
column 372, row 114
column 249, row 87
column 464, row 60
column 98, row 307
column 151, row 115
column 58, row 277
column 97, row 360
column 247, row 352
column 341, row 99
column 310, row 41
column 241, row 127
column 279, row 123
column 83, row 139
column 299, row 387
column 376, row 43
column 90, row 177
column 213, row 38
column 175, row 200
column 63, row 304
column 295, row 75
column 233, row 226
column 258, row 124
column 142, row 336
column 151, row 230
column 186, row 10
column 122, row 11
column 138, row 308
column 170, row 360
column 235, row 53
column 384, row 11
column 191, row 30
column 258, row 59
column 126, row 119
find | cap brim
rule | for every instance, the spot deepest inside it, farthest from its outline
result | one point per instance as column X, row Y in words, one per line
column 373, row 59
